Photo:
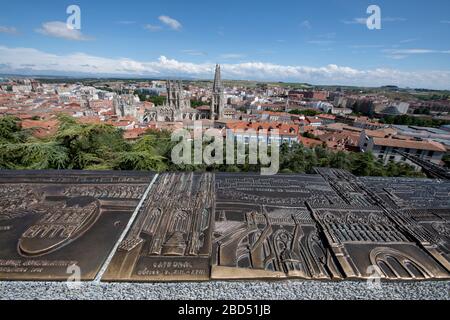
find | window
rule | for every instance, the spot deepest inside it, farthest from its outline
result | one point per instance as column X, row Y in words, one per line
column 430, row 153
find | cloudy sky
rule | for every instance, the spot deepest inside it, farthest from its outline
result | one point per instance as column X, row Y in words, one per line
column 320, row 42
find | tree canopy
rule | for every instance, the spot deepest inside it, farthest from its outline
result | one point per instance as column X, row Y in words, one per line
column 102, row 147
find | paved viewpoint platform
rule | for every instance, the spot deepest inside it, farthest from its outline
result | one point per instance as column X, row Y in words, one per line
column 145, row 227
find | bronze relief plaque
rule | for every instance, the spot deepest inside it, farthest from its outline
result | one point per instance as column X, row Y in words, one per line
column 397, row 225
column 431, row 227
column 410, row 193
column 202, row 226
column 53, row 220
column 263, row 229
column 170, row 239
column 364, row 238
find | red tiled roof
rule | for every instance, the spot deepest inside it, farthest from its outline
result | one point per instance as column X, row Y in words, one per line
column 29, row 124
column 134, row 133
column 313, row 120
column 89, row 120
column 326, row 116
column 283, row 128
column 383, row 133
column 41, row 128
column 410, row 144
column 308, row 142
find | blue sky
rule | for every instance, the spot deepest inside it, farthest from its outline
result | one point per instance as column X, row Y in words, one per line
column 321, row 41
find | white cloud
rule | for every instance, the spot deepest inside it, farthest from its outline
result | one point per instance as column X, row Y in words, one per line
column 409, row 40
column 366, row 46
column 171, row 22
column 232, row 56
column 397, row 56
column 152, row 28
column 18, row 60
column 414, row 51
column 59, row 29
column 445, row 21
column 356, row 21
column 193, row 52
column 364, row 20
column 393, row 19
column 9, row 30
column 321, row 42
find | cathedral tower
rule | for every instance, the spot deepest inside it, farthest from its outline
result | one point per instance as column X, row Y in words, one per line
column 217, row 99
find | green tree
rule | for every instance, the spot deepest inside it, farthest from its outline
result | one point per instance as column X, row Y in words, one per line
column 340, row 160
column 90, row 144
column 197, row 103
column 37, row 155
column 446, row 160
column 145, row 154
column 307, row 112
column 157, row 100
column 11, row 131
column 362, row 164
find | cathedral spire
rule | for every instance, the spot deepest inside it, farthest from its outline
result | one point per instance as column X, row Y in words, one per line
column 217, row 99
column 217, row 86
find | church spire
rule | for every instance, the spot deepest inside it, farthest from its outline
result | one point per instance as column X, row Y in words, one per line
column 217, row 99
column 217, row 86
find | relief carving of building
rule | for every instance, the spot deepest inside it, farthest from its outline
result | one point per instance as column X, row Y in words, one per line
column 51, row 220
column 398, row 245
column 201, row 226
column 172, row 227
column 264, row 230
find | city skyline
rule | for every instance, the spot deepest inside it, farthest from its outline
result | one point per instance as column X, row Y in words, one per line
column 322, row 43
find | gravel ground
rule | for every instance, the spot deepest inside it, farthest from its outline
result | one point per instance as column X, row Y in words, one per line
column 227, row 290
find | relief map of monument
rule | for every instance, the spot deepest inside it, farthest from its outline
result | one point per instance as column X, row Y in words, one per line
column 222, row 226
column 52, row 221
column 171, row 237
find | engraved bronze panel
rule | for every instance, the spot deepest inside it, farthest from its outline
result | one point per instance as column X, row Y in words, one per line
column 364, row 237
column 264, row 230
column 423, row 206
column 52, row 220
column 431, row 228
column 410, row 193
column 380, row 230
column 201, row 226
column 170, row 239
